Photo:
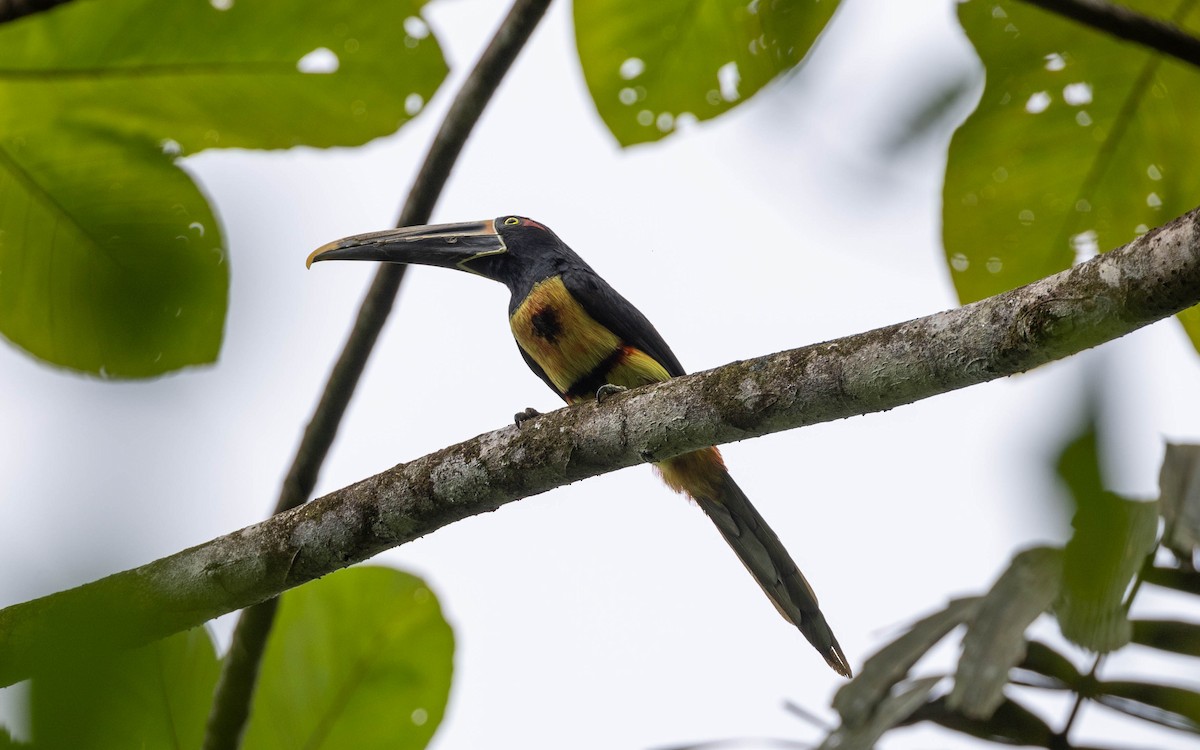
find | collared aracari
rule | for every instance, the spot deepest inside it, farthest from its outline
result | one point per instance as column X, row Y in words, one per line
column 579, row 336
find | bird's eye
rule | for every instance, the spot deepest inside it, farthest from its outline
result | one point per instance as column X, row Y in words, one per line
column 512, row 221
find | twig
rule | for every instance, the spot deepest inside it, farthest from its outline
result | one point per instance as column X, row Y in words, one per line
column 1124, row 23
column 231, row 703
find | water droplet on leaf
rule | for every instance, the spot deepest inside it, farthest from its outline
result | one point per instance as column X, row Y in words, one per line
column 729, row 77
column 416, row 27
column 1077, row 94
column 320, row 60
column 1037, row 103
column 632, row 68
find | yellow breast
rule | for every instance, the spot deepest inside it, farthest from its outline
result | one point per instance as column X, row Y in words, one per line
column 557, row 333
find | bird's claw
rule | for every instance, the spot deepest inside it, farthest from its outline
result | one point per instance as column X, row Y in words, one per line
column 521, row 417
column 606, row 390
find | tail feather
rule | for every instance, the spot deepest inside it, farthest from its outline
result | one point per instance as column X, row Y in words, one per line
column 760, row 550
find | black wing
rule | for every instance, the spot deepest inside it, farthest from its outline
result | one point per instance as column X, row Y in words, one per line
column 617, row 314
column 537, row 370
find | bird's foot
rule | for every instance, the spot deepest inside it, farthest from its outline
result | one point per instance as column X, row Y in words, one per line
column 521, row 417
column 606, row 390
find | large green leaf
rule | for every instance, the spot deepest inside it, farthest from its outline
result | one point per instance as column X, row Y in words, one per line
column 361, row 659
column 111, row 261
column 652, row 65
column 1080, row 142
column 154, row 697
column 8, row 743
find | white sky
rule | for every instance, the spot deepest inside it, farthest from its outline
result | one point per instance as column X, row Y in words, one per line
column 608, row 614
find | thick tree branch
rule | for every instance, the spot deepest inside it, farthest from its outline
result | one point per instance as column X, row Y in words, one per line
column 1124, row 23
column 231, row 703
column 1151, row 278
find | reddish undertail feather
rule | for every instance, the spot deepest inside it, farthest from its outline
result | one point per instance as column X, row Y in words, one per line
column 701, row 475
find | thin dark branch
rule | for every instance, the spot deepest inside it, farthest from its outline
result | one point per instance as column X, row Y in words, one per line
column 1158, row 35
column 231, row 703
column 1152, row 277
column 807, row 716
column 1080, row 697
column 11, row 10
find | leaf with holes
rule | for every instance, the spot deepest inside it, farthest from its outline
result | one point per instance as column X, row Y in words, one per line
column 1080, row 142
column 652, row 66
column 111, row 260
column 361, row 658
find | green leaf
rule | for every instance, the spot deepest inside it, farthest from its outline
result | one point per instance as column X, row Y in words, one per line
column 858, row 699
column 1187, row 581
column 1010, row 723
column 1190, row 318
column 892, row 711
column 1168, row 635
column 1179, row 499
column 1170, row 706
column 1112, row 538
column 1167, row 705
column 651, row 65
column 1058, row 670
column 8, row 743
column 995, row 639
column 111, row 260
column 156, row 696
column 1080, row 142
column 361, row 658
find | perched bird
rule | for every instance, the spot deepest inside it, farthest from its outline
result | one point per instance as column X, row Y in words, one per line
column 582, row 338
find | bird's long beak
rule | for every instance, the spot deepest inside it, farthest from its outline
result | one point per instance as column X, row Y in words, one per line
column 445, row 245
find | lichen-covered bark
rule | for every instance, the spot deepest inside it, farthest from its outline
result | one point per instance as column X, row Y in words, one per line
column 1151, row 278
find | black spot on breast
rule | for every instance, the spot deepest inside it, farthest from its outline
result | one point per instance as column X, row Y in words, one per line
column 546, row 324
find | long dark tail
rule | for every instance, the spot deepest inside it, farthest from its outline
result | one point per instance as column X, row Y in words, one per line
column 703, row 477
